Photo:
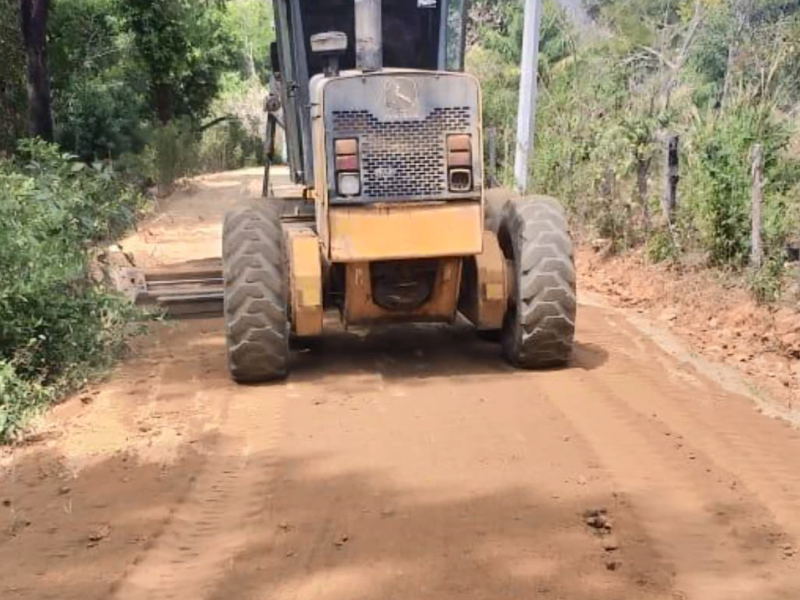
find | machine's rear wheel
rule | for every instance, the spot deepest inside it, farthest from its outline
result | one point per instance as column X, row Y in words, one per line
column 540, row 325
column 256, row 317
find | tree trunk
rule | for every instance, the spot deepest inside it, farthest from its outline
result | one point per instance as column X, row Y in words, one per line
column 642, row 189
column 669, row 201
column 13, row 94
column 33, row 25
column 164, row 104
column 491, row 139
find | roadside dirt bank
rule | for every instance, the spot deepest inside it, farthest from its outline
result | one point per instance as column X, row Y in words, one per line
column 717, row 319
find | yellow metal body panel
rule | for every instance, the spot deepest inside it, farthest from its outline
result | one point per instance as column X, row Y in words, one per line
column 305, row 279
column 405, row 231
column 359, row 308
column 346, row 246
column 486, row 297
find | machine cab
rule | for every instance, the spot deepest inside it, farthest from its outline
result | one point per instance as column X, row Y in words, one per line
column 424, row 35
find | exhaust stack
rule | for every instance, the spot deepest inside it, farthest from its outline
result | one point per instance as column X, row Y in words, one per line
column 369, row 35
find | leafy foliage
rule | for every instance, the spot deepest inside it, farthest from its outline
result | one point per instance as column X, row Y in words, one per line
column 12, row 86
column 184, row 48
column 721, row 184
column 99, row 88
column 721, row 74
column 118, row 66
column 249, row 26
column 133, row 82
column 20, row 399
column 56, row 321
column 766, row 282
column 178, row 150
column 494, row 57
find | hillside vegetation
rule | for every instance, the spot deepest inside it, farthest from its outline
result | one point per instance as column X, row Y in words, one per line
column 140, row 94
column 136, row 82
column 723, row 75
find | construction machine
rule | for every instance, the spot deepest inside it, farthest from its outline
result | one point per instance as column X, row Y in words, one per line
column 394, row 225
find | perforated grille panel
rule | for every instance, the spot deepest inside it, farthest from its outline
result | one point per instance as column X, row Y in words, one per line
column 403, row 158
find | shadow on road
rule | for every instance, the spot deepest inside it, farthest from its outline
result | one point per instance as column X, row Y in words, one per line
column 417, row 352
column 345, row 535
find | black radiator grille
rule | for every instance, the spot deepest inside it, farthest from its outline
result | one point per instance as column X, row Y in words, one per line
column 403, row 158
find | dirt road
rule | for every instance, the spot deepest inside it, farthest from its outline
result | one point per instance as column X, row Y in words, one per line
column 406, row 464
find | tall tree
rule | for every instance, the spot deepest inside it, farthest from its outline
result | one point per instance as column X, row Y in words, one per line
column 185, row 49
column 12, row 77
column 33, row 16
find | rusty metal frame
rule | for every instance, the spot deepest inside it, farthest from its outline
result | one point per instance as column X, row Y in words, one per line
column 182, row 292
column 487, row 286
column 441, row 307
column 305, row 280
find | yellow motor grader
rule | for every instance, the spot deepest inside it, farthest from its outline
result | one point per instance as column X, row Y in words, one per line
column 383, row 132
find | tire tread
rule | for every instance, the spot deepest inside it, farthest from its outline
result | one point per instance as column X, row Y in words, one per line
column 256, row 317
column 540, row 332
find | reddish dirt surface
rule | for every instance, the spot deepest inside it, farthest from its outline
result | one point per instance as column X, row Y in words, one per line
column 407, row 463
column 714, row 314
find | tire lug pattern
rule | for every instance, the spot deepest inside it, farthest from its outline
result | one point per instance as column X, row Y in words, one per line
column 256, row 315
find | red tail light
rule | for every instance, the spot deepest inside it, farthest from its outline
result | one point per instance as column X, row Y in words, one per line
column 459, row 162
column 348, row 167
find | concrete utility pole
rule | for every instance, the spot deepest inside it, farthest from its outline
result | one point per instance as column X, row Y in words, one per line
column 527, row 93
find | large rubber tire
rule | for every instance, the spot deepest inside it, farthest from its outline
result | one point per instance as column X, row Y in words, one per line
column 256, row 318
column 539, row 328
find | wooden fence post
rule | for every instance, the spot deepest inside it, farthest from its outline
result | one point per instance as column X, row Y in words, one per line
column 491, row 141
column 669, row 201
column 756, row 248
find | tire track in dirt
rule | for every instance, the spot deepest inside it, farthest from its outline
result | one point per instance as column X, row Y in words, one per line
column 222, row 509
column 673, row 506
column 721, row 542
column 750, row 450
column 476, row 490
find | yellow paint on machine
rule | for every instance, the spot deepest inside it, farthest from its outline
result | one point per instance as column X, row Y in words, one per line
column 405, row 231
column 305, row 280
column 361, row 309
column 484, row 303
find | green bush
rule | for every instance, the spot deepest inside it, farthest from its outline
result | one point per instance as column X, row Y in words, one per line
column 662, row 246
column 57, row 323
column 13, row 100
column 722, row 78
column 718, row 184
column 20, row 399
column 179, row 150
column 98, row 118
column 766, row 282
column 228, row 146
column 99, row 90
column 174, row 150
column 118, row 66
